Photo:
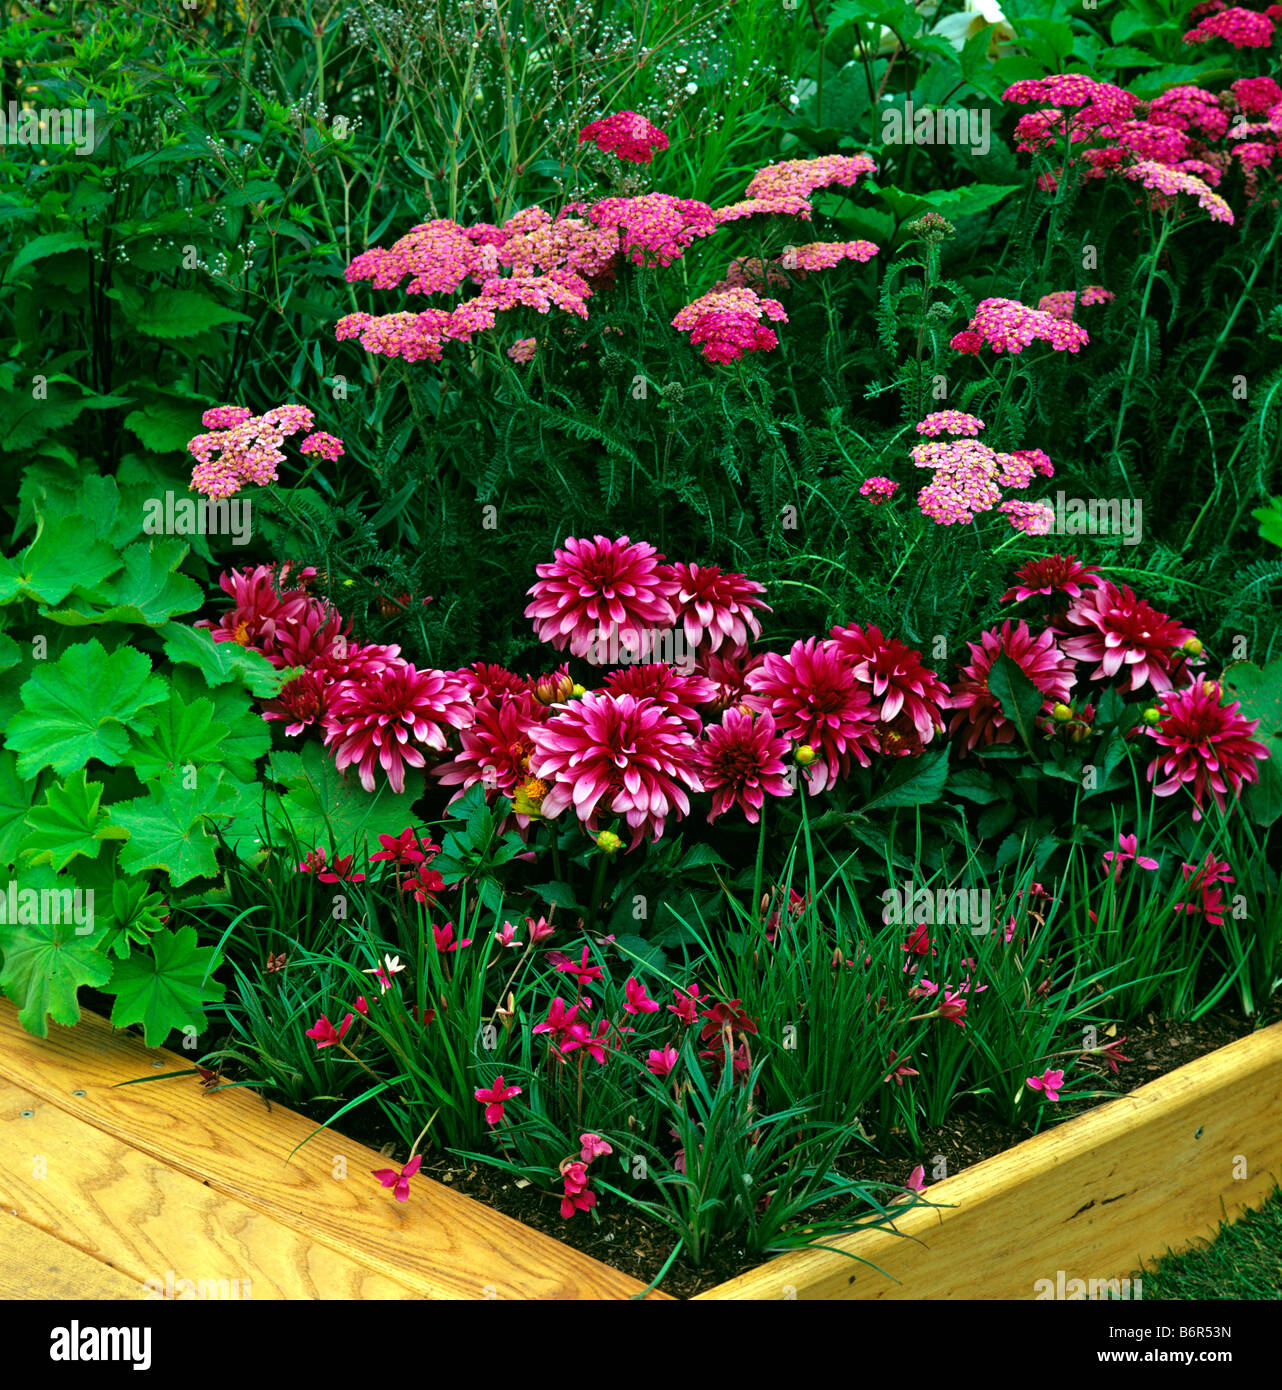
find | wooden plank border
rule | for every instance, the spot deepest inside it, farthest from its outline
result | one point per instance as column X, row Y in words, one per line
column 1092, row 1199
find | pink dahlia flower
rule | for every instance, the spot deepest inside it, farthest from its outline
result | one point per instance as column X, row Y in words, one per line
column 678, row 692
column 614, row 751
column 495, row 749
column 717, row 609
column 741, row 762
column 261, row 612
column 729, row 677
column 388, row 718
column 896, row 677
column 1208, row 745
column 979, row 713
column 1110, row 625
column 816, row 700
column 492, row 682
column 1051, row 574
column 595, row 591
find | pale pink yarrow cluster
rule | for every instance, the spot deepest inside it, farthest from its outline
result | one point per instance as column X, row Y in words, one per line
column 569, row 243
column 1033, row 518
column 247, row 452
column 1241, row 28
column 800, row 177
column 414, row 337
column 878, row 489
column 728, row 323
column 225, row 417
column 523, row 349
column 823, row 255
column 657, row 228
column 774, row 205
column 437, row 256
column 1006, row 325
column 328, row 446
column 1170, row 182
column 1186, row 108
column 949, row 422
column 1062, row 303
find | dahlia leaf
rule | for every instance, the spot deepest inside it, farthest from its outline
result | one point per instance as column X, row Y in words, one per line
column 913, row 781
column 167, row 827
column 59, row 560
column 329, row 809
column 166, row 988
column 974, row 786
column 71, row 822
column 221, row 662
column 185, row 733
column 555, row 894
column 83, row 706
column 1019, row 698
column 697, row 856
column 46, row 962
column 149, row 590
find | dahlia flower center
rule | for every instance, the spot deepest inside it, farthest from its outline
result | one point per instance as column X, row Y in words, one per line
column 241, row 634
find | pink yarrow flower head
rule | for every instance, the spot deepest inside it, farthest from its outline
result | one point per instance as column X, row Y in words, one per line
column 878, row 489
column 1127, row 851
column 1062, row 303
column 1033, row 518
column 956, row 422
column 494, row 1098
column 1049, row 1083
column 799, row 178
column 523, row 349
column 247, row 451
column 904, row 691
column 656, row 228
column 1206, row 745
column 1052, row 574
column 1006, row 325
column 1239, row 27
column 390, row 718
column 824, row 255
column 328, row 446
column 727, row 323
column 616, row 753
column 399, row 1178
column 979, row 718
column 626, row 134
column 594, row 593
column 717, row 610
column 1255, row 95
column 1168, row 183
column 741, row 762
column 817, row 702
column 1108, row 624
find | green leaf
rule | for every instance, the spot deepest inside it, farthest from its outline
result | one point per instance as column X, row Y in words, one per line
column 15, row 802
column 1263, row 799
column 165, row 426
column 149, row 591
column 220, row 662
column 167, row 987
column 46, row 961
column 974, row 786
column 637, row 951
column 51, row 244
column 913, row 781
column 1270, row 519
column 320, row 802
column 70, row 822
column 1019, row 698
column 248, row 735
column 185, row 733
column 60, row 559
column 167, row 827
column 555, row 894
column 135, row 913
column 1259, row 691
column 83, row 706
column 697, row 856
column 181, row 314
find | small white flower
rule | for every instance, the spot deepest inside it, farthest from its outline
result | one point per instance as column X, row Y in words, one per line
column 691, row 88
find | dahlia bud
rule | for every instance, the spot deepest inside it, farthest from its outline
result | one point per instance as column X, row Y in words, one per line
column 608, row 841
column 1079, row 732
column 1192, row 647
column 1152, row 716
column 1210, row 688
column 805, row 755
column 1061, row 713
column 745, row 709
column 576, row 690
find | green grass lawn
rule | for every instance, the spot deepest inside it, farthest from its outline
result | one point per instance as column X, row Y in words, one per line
column 1244, row 1261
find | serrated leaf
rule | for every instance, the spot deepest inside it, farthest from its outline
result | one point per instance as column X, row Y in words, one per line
column 51, row 244
column 46, row 962
column 83, row 706
column 1019, row 698
column 913, row 781
column 165, row 427
column 220, row 662
column 321, row 803
column 69, row 822
column 15, row 802
column 974, row 786
column 59, row 560
column 181, row 314
column 248, row 736
column 186, row 732
column 166, row 987
column 24, row 421
column 168, row 827
column 148, row 591
column 697, row 856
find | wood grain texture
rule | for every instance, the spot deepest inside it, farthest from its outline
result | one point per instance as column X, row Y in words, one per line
column 108, row 1200
column 439, row 1244
column 1096, row 1197
column 37, row 1265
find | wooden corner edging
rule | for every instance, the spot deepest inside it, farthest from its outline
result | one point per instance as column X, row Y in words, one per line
column 1093, row 1198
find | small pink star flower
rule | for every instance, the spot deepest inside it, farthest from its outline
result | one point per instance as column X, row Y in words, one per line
column 661, row 1061
column 636, row 999
column 593, row 1147
column 1049, row 1083
column 494, row 1098
column 1127, row 846
column 399, row 1178
column 324, row 1032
